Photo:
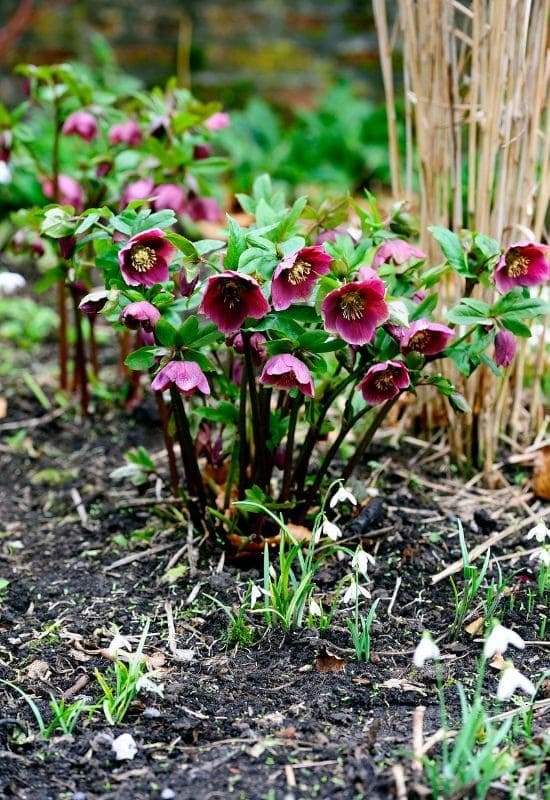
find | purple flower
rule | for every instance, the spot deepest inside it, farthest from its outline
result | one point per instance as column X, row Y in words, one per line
column 103, row 168
column 186, row 376
column 125, row 133
column 217, row 121
column 201, row 151
column 144, row 258
column 6, row 141
column 419, row 296
column 67, row 245
column 94, row 302
column 70, row 192
column 396, row 251
column 522, row 264
column 295, row 277
column 257, row 341
column 204, row 208
column 138, row 190
column 505, row 348
column 170, row 195
column 140, row 315
column 287, row 372
column 355, row 310
column 230, row 298
column 330, row 235
column 81, row 123
column 384, row 381
column 187, row 287
column 423, row 336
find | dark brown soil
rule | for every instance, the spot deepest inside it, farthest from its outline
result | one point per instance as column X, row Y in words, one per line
column 256, row 722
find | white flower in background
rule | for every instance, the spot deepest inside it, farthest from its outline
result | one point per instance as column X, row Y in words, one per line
column 331, row 530
column 118, row 643
column 511, row 680
column 499, row 639
column 361, row 561
column 542, row 555
column 125, row 747
column 11, row 282
column 5, row 173
column 540, row 532
column 255, row 594
column 342, row 496
column 353, row 592
column 315, row 609
column 426, row 650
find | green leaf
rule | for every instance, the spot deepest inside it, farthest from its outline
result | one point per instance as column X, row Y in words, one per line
column 224, row 412
column 187, row 333
column 165, row 333
column 57, row 223
column 141, row 359
column 516, row 327
column 458, row 402
column 452, row 249
column 184, row 245
column 236, row 244
column 469, row 312
column 424, row 308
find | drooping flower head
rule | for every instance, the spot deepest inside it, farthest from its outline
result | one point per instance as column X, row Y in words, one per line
column 93, row 302
column 257, row 349
column 499, row 639
column 201, row 151
column 205, row 209
column 295, row 277
column 125, row 133
column 331, row 234
column 230, row 298
column 217, row 121
column 186, row 376
column 423, row 336
column 170, row 195
column 355, row 310
column 522, row 264
column 141, row 314
column 426, row 650
column 137, row 190
column 187, row 287
column 511, row 680
column 287, row 372
column 396, row 251
column 384, row 381
column 81, row 123
column 144, row 258
column 69, row 192
column 505, row 348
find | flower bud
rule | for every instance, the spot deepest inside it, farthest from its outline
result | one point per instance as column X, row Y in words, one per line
column 505, row 348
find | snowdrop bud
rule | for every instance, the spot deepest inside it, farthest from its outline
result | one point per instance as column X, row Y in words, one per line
column 499, row 639
column 342, row 496
column 540, row 532
column 118, row 643
column 426, row 650
column 125, row 747
column 331, row 530
column 255, row 594
column 542, row 555
column 315, row 609
column 353, row 591
column 511, row 680
column 361, row 561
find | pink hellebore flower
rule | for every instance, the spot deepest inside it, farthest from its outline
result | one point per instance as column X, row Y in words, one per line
column 330, row 235
column 384, row 381
column 287, row 372
column 186, row 376
column 396, row 251
column 70, row 192
column 355, row 310
column 187, row 287
column 144, row 258
column 230, row 298
column 201, row 151
column 505, row 348
column 81, row 123
column 423, row 336
column 257, row 349
column 204, row 208
column 140, row 315
column 295, row 276
column 125, row 133
column 138, row 190
column 170, row 195
column 93, row 302
column 522, row 264
column 218, row 121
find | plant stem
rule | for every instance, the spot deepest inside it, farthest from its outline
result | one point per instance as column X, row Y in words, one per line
column 191, row 468
column 63, row 350
column 259, row 471
column 367, row 438
column 81, row 378
column 168, row 443
column 287, row 474
column 242, row 442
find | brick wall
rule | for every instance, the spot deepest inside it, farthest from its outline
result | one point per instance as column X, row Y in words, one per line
column 286, row 50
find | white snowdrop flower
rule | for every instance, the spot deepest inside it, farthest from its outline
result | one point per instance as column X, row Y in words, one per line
column 11, row 282
column 145, row 684
column 331, row 530
column 118, row 643
column 315, row 609
column 540, row 532
column 342, row 496
column 5, row 173
column 542, row 555
column 511, row 680
column 255, row 594
column 353, row 591
column 361, row 561
column 499, row 639
column 426, row 650
column 125, row 747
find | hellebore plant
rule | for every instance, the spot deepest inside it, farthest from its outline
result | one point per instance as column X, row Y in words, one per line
column 275, row 349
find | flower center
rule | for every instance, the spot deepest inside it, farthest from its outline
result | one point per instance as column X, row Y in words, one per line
column 299, row 271
column 351, row 306
column 418, row 340
column 231, row 293
column 516, row 264
column 384, row 381
column 143, row 258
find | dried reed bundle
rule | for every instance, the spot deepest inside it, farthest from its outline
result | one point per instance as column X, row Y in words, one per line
column 476, row 81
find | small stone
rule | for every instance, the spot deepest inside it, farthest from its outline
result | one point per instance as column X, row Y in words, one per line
column 167, row 794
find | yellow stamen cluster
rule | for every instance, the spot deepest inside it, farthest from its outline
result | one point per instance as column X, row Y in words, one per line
column 351, row 306
column 516, row 264
column 384, row 381
column 143, row 258
column 299, row 271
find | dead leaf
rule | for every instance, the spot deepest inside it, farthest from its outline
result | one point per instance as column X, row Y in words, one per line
column 155, row 660
column 79, row 655
column 541, row 473
column 475, row 627
column 300, row 532
column 38, row 670
column 3, row 407
column 404, row 685
column 498, row 662
column 329, row 662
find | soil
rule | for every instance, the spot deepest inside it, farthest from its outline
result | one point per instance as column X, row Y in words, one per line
column 261, row 721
